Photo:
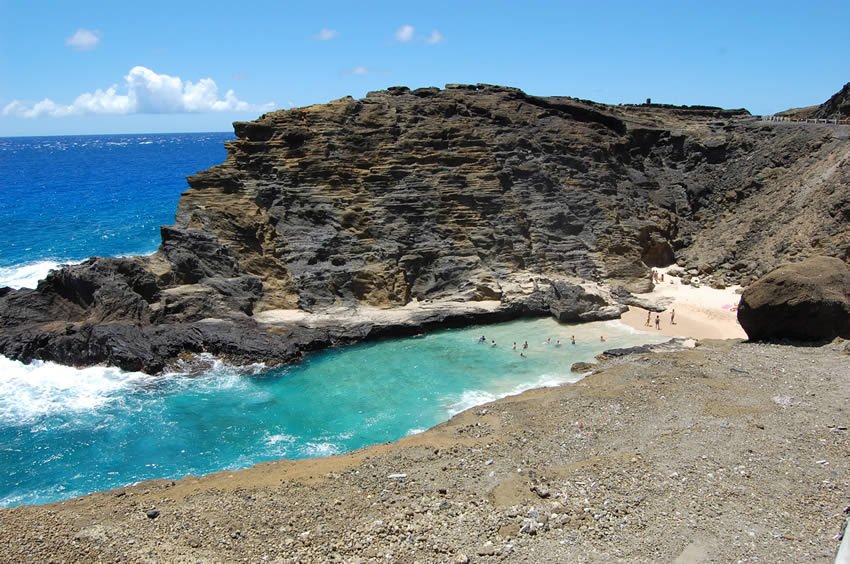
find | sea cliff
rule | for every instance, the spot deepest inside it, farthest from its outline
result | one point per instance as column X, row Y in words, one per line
column 416, row 208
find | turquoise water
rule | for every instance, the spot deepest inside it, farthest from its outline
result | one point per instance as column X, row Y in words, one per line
column 66, row 432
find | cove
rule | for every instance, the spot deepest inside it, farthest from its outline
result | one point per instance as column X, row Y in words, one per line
column 67, row 432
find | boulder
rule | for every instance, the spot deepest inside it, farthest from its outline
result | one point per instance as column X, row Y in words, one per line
column 806, row 301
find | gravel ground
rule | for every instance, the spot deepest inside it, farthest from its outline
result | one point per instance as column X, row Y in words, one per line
column 730, row 452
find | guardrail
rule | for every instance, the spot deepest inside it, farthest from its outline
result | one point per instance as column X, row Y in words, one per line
column 833, row 121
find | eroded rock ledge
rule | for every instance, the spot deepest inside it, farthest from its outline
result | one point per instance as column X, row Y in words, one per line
column 343, row 221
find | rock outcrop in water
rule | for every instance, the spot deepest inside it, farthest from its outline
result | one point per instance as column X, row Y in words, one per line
column 415, row 208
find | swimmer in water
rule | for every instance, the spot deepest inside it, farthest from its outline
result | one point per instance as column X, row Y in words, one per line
column 524, row 345
column 573, row 339
column 558, row 343
column 513, row 348
column 493, row 343
column 602, row 338
column 522, row 355
column 482, row 339
column 548, row 340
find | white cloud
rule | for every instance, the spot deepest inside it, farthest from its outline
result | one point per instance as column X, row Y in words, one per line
column 435, row 37
column 326, row 34
column 360, row 71
column 83, row 39
column 405, row 33
column 147, row 93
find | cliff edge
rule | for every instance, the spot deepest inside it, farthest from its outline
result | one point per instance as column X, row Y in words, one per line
column 473, row 202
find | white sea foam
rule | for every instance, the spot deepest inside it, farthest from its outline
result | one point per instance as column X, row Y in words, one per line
column 277, row 438
column 544, row 381
column 222, row 375
column 27, row 275
column 414, row 431
column 472, row 398
column 316, row 449
column 44, row 388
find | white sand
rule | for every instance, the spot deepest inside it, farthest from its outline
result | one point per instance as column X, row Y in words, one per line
column 701, row 313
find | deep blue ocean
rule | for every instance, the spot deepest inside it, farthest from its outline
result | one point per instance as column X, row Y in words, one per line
column 68, row 198
column 66, row 432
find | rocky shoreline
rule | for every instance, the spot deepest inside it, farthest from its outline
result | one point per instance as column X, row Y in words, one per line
column 728, row 452
column 456, row 196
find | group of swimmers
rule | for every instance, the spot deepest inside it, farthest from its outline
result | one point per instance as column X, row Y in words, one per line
column 524, row 346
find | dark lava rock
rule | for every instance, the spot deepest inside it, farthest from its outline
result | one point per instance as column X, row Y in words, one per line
column 804, row 301
column 453, row 195
column 838, row 106
column 152, row 513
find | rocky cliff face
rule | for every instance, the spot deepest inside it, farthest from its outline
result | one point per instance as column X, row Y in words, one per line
column 838, row 106
column 471, row 194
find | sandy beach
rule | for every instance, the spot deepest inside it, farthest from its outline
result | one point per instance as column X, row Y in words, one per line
column 701, row 313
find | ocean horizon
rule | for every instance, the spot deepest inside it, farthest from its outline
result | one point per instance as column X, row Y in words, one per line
column 100, row 195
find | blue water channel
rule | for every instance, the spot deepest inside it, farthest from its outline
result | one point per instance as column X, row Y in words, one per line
column 67, row 432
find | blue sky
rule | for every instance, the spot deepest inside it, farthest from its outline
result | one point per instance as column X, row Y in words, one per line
column 112, row 66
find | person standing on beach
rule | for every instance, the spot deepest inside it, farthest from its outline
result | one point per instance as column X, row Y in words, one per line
column 658, row 322
column 573, row 339
column 673, row 317
column 648, row 318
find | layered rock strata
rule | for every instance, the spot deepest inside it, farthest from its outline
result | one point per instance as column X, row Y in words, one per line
column 471, row 203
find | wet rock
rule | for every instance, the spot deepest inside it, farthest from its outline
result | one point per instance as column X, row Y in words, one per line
column 582, row 366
